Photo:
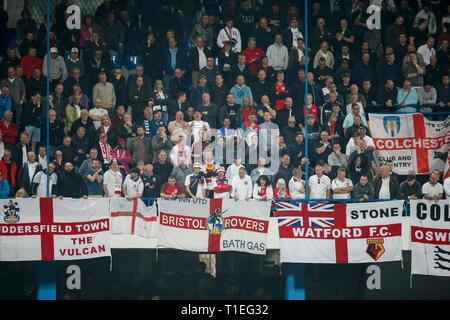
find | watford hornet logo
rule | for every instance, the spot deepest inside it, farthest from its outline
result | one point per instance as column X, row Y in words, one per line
column 375, row 248
column 441, row 258
column 11, row 212
column 215, row 222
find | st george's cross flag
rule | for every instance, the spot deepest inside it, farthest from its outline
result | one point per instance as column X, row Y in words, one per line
column 52, row 229
column 133, row 217
column 411, row 141
column 213, row 225
column 430, row 237
column 339, row 233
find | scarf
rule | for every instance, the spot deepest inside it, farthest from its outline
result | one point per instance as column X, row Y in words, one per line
column 106, row 152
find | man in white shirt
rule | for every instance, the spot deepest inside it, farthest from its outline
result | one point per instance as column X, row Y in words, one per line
column 133, row 187
column 42, row 157
column 386, row 187
column 97, row 113
column 341, row 186
column 231, row 35
column 427, row 50
column 242, row 187
column 112, row 181
column 39, row 187
column 297, row 184
column 447, row 187
column 433, row 190
column 319, row 185
column 366, row 142
column 197, row 125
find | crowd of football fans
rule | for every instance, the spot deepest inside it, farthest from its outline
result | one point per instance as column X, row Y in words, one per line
column 147, row 94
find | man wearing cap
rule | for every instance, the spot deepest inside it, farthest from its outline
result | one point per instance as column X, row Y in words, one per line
column 58, row 68
column 195, row 183
column 231, row 35
column 411, row 188
column 133, row 187
column 75, row 61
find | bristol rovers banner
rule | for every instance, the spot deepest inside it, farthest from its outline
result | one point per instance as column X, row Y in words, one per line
column 411, row 141
column 133, row 217
column 340, row 233
column 430, row 237
column 52, row 229
column 212, row 225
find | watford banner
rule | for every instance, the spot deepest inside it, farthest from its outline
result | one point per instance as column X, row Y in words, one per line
column 430, row 237
column 52, row 229
column 213, row 225
column 134, row 218
column 411, row 141
column 339, row 233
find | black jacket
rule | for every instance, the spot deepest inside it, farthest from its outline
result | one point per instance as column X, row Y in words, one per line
column 193, row 58
column 23, row 178
column 71, row 185
column 393, row 187
column 18, row 154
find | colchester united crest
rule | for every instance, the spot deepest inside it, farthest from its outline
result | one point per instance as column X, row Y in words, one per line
column 375, row 248
column 11, row 212
column 392, row 125
column 215, row 222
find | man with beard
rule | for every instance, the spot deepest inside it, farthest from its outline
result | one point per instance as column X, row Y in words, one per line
column 71, row 184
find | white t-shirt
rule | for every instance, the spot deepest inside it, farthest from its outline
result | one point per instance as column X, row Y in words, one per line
column 196, row 127
column 41, row 179
column 294, row 186
column 133, row 188
column 351, row 146
column 242, row 188
column 385, row 190
column 447, row 187
column 113, row 182
column 337, row 184
column 318, row 187
column 430, row 190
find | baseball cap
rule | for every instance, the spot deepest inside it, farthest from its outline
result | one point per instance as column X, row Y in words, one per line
column 197, row 165
column 361, row 127
column 202, row 76
column 311, row 116
column 53, row 50
column 74, row 49
column 135, row 170
column 221, row 169
column 411, row 177
column 346, row 75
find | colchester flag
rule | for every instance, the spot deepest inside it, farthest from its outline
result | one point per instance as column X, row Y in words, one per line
column 213, row 225
column 411, row 141
column 430, row 237
column 52, row 229
column 133, row 217
column 339, row 233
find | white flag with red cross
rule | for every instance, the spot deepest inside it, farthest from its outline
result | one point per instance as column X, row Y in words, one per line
column 213, row 225
column 51, row 229
column 411, row 141
column 430, row 237
column 339, row 233
column 133, row 217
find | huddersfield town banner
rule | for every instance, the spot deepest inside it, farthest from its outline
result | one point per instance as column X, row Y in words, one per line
column 411, row 141
column 52, row 229
column 430, row 237
column 213, row 225
column 133, row 217
column 339, row 233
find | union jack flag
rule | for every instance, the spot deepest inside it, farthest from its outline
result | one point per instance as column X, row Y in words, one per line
column 294, row 214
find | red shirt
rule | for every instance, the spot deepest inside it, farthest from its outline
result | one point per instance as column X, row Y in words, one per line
column 257, row 54
column 167, row 189
column 9, row 133
column 280, row 88
column 247, row 111
column 29, row 63
column 314, row 111
column 279, row 194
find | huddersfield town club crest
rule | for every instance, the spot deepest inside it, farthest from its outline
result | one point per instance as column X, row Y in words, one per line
column 215, row 222
column 375, row 248
column 11, row 212
column 391, row 125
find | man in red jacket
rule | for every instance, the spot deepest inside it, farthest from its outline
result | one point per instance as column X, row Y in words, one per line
column 9, row 129
column 31, row 61
column 9, row 168
column 253, row 56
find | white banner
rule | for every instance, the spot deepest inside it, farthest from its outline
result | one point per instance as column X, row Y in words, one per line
column 213, row 225
column 133, row 217
column 411, row 141
column 340, row 233
column 52, row 229
column 430, row 237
